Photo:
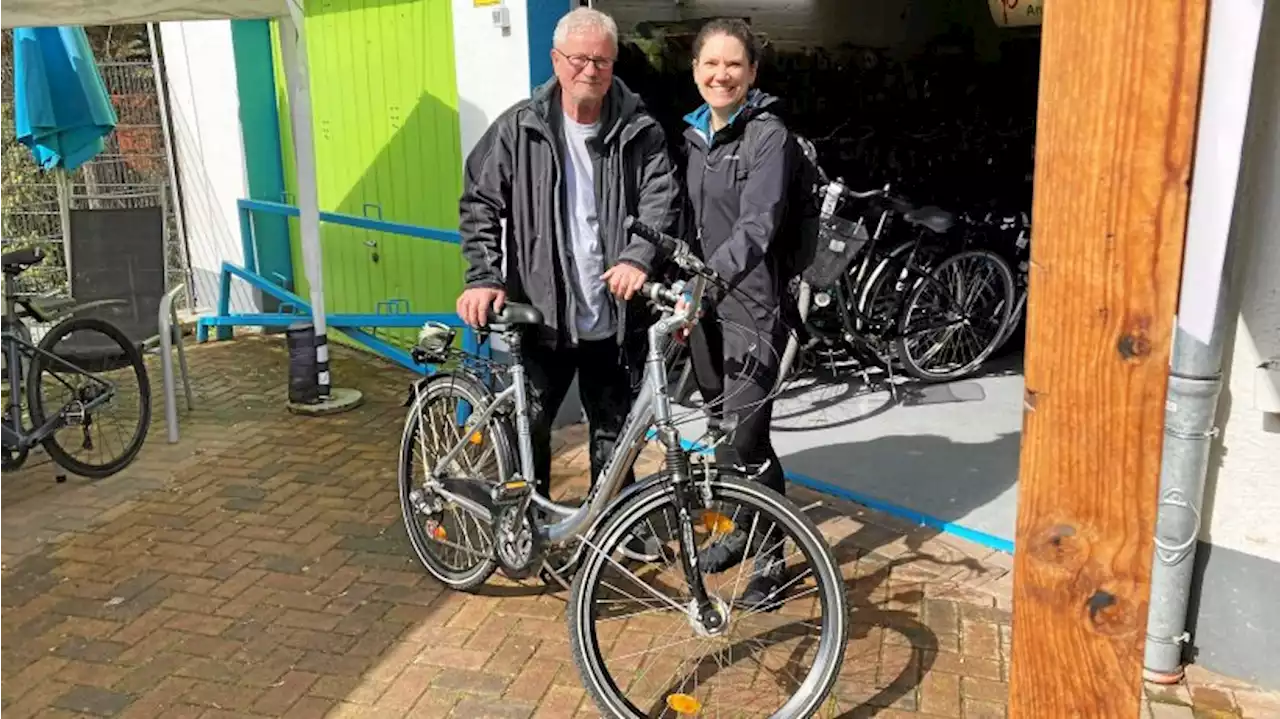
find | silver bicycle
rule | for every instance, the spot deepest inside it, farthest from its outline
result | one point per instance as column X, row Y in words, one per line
column 471, row 509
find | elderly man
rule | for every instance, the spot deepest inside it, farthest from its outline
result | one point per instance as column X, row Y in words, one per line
column 564, row 169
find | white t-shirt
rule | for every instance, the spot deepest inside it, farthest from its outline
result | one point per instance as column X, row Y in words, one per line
column 594, row 307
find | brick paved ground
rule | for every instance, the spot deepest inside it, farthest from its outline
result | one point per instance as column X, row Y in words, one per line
column 259, row 568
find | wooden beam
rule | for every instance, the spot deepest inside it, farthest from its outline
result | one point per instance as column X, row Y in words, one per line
column 1119, row 91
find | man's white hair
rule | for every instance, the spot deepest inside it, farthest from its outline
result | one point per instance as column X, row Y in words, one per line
column 585, row 18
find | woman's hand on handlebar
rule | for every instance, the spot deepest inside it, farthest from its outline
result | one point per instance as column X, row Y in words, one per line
column 683, row 333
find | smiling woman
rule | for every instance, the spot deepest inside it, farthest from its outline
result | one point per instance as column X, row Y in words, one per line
column 740, row 158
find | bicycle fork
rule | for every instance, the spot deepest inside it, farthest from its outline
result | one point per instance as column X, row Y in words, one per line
column 687, row 498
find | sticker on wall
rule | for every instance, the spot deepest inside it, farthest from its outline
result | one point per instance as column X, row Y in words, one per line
column 1016, row 13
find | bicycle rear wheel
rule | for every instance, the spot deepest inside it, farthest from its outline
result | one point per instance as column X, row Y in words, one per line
column 970, row 295
column 102, row 364
column 454, row 545
column 621, row 639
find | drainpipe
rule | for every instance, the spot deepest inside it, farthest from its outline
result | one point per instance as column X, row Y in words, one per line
column 1195, row 373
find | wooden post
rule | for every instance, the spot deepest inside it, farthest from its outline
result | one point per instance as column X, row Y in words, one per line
column 1119, row 90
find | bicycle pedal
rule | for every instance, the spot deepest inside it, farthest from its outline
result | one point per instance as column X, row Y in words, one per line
column 511, row 492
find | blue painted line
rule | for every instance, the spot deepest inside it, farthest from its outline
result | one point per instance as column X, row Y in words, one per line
column 364, row 223
column 989, row 541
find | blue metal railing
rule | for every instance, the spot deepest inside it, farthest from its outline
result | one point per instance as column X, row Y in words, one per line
column 294, row 308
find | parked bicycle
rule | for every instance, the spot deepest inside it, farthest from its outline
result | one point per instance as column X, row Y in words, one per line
column 473, row 510
column 1009, row 235
column 905, row 292
column 88, row 357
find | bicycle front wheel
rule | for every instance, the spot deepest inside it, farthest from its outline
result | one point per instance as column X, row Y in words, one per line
column 630, row 628
column 90, row 377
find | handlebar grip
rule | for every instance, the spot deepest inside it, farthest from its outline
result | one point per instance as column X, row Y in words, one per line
column 657, row 291
column 640, row 229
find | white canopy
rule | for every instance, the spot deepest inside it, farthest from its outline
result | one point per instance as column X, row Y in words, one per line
column 37, row 13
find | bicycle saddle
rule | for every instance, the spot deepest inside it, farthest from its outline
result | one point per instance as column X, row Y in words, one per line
column 934, row 218
column 19, row 260
column 516, row 313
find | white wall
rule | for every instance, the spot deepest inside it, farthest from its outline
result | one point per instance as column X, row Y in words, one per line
column 1245, row 489
column 201, row 73
column 492, row 65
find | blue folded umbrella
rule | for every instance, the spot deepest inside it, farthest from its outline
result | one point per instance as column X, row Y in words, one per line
column 61, row 107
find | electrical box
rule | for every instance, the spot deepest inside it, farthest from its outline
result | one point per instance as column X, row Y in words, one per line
column 501, row 17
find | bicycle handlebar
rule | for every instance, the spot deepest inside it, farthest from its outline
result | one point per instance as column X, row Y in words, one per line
column 652, row 235
column 679, row 249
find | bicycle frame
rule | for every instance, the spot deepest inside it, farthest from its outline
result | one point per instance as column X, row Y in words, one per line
column 16, row 348
column 652, row 406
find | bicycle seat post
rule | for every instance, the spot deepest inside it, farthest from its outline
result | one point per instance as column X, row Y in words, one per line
column 512, row 335
column 10, row 297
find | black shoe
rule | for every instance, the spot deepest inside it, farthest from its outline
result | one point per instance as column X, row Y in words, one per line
column 725, row 553
column 728, row 551
column 764, row 592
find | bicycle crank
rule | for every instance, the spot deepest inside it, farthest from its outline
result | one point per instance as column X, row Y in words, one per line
column 516, row 545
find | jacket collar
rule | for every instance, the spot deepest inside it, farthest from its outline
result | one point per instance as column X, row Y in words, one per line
column 622, row 117
column 699, row 121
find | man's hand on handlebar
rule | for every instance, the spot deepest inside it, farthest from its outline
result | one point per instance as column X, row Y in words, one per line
column 473, row 304
column 624, row 280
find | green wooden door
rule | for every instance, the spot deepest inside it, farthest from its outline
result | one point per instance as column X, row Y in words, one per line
column 385, row 117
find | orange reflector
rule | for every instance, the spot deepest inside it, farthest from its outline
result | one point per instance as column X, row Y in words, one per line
column 717, row 523
column 683, row 704
column 476, row 438
column 439, row 533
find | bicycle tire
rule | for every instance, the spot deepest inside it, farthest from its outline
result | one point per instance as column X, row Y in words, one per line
column 911, row 363
column 502, row 435
column 877, row 278
column 35, row 403
column 584, row 644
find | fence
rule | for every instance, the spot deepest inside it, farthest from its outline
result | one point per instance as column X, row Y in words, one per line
column 133, row 170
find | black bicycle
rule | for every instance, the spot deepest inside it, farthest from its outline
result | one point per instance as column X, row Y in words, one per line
column 101, row 372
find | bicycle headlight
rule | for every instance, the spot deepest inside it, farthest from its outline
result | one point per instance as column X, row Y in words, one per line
column 434, row 340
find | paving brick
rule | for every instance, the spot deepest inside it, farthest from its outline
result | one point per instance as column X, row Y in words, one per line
column 1171, row 711
column 93, row 700
column 940, row 694
column 1257, row 704
column 469, row 681
column 90, row 650
column 283, row 694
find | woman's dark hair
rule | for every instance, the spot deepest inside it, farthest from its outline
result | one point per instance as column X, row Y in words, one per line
column 733, row 27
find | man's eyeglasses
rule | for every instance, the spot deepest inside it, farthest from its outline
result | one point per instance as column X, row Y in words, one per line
column 579, row 62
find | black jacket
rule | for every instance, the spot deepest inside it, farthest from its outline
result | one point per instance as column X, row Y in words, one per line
column 515, row 173
column 738, row 185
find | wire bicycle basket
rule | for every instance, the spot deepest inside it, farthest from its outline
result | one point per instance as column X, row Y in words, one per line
column 839, row 241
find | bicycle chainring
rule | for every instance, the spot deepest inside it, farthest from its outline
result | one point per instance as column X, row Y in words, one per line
column 13, row 458
column 516, row 545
